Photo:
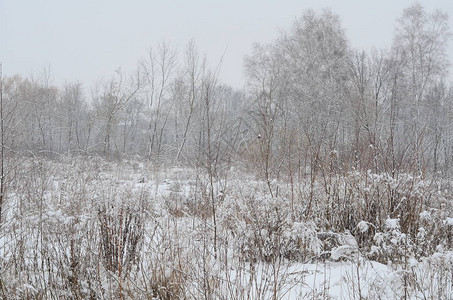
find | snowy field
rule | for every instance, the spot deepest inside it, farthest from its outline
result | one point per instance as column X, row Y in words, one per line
column 88, row 228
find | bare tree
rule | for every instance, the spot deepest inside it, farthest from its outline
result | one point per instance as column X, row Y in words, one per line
column 301, row 83
column 73, row 112
column 420, row 44
column 110, row 101
column 194, row 67
column 266, row 84
column 158, row 70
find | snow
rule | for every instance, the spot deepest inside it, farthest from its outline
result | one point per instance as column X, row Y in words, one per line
column 363, row 226
column 425, row 215
column 413, row 262
column 343, row 251
column 178, row 240
column 392, row 223
column 342, row 280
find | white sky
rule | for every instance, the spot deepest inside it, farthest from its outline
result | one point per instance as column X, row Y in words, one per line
column 86, row 40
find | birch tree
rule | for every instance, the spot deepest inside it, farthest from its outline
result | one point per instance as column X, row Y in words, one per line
column 420, row 44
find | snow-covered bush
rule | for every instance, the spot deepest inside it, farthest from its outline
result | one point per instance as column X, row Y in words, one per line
column 363, row 202
column 433, row 276
column 263, row 229
column 338, row 246
column 391, row 244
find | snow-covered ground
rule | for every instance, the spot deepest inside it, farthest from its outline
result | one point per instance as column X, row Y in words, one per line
column 91, row 228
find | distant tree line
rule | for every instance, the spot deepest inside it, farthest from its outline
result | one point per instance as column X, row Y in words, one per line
column 311, row 105
column 160, row 111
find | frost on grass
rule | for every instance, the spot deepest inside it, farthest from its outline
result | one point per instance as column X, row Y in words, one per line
column 104, row 229
column 363, row 226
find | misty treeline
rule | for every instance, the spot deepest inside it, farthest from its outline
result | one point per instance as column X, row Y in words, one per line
column 161, row 111
column 311, row 102
column 324, row 145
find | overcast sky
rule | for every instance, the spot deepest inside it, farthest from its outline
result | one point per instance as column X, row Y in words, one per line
column 86, row 40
